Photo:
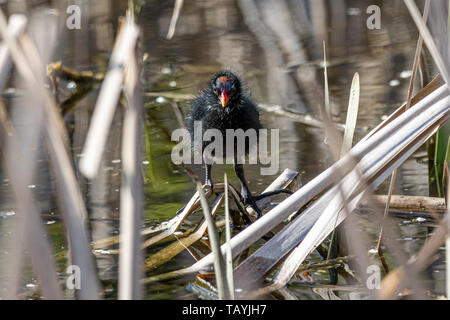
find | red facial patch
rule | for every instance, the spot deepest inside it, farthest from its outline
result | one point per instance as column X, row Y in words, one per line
column 223, row 79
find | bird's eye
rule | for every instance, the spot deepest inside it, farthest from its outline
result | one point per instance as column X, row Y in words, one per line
column 228, row 86
column 219, row 85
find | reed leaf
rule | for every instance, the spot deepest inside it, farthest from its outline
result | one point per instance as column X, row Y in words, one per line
column 352, row 115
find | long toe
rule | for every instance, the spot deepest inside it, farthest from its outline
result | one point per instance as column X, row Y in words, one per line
column 250, row 201
column 271, row 193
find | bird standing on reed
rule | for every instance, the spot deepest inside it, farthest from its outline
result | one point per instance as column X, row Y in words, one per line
column 223, row 105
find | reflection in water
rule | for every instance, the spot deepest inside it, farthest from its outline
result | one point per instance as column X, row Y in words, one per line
column 276, row 46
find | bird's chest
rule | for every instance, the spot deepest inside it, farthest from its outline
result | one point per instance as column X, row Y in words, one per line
column 222, row 121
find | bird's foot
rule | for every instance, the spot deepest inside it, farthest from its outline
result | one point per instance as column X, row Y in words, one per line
column 209, row 184
column 249, row 200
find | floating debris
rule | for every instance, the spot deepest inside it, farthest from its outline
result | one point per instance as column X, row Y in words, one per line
column 31, row 286
column 405, row 74
column 7, row 213
column 161, row 99
column 414, row 220
column 166, row 70
column 72, row 86
column 103, row 251
column 394, row 83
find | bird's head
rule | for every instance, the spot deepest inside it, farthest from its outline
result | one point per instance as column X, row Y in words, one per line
column 226, row 87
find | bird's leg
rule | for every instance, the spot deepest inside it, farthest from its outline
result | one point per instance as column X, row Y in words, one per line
column 246, row 195
column 208, row 167
column 208, row 180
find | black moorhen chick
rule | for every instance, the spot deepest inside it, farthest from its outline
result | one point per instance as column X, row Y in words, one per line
column 223, row 106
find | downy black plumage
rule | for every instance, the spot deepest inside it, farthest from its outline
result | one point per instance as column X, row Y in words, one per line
column 238, row 113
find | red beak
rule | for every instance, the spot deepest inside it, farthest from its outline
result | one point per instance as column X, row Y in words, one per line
column 224, row 98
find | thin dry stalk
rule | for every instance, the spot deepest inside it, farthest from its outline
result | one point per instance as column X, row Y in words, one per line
column 107, row 100
column 131, row 195
column 28, row 225
column 428, row 39
column 219, row 263
column 229, row 256
column 16, row 26
column 36, row 242
column 174, row 19
column 12, row 267
column 305, row 119
column 325, row 74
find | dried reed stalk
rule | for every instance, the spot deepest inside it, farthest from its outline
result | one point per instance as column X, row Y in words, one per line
column 131, row 195
column 107, row 100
